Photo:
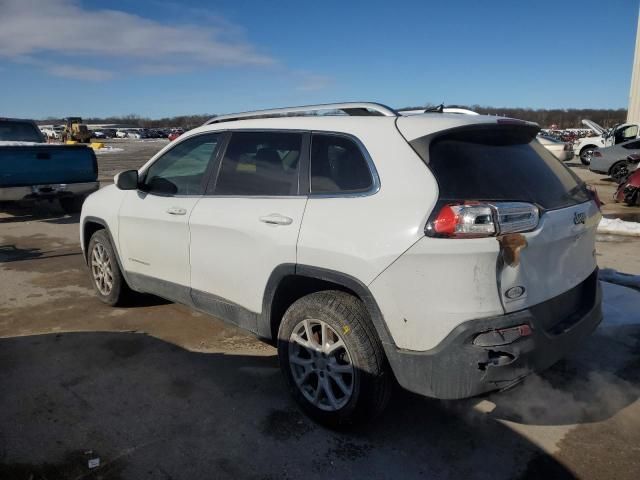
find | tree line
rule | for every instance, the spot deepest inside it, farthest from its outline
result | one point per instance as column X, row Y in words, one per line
column 561, row 118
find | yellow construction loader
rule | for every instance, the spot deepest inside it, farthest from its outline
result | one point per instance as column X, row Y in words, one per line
column 75, row 130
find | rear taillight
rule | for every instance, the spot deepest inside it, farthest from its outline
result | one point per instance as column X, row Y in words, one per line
column 593, row 194
column 473, row 220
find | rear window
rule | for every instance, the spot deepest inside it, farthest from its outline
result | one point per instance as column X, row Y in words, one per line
column 502, row 163
column 19, row 132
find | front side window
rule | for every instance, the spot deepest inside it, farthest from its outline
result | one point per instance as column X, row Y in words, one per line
column 181, row 170
column 338, row 166
column 260, row 163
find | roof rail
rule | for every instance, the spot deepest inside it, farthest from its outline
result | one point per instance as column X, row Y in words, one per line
column 351, row 108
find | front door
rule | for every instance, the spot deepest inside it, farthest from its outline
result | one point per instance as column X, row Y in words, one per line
column 154, row 231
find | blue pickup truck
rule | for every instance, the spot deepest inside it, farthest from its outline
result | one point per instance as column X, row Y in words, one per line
column 31, row 169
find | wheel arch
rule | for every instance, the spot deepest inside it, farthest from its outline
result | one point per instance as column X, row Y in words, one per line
column 617, row 162
column 587, row 146
column 290, row 282
column 91, row 225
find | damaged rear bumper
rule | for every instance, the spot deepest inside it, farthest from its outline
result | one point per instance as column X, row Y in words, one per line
column 461, row 366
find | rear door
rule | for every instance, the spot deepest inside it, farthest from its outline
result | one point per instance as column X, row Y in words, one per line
column 500, row 164
column 248, row 223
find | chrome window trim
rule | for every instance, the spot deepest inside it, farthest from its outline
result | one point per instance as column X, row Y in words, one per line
column 375, row 187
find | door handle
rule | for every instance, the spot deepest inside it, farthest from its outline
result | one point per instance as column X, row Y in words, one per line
column 276, row 219
column 176, row 211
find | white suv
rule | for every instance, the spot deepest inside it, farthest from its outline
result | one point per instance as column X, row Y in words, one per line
column 451, row 253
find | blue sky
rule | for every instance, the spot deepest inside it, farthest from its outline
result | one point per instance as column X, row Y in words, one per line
column 161, row 58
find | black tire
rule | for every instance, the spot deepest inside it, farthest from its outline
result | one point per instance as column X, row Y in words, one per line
column 71, row 205
column 119, row 292
column 619, row 171
column 585, row 154
column 372, row 378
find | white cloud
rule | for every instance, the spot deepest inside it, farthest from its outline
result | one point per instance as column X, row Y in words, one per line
column 34, row 28
column 79, row 73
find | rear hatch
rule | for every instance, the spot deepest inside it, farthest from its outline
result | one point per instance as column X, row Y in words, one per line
column 22, row 165
column 531, row 199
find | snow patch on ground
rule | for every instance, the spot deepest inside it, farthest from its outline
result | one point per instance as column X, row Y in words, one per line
column 618, row 227
column 108, row 150
column 11, row 143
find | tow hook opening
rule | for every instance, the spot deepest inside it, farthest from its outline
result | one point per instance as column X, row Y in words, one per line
column 496, row 359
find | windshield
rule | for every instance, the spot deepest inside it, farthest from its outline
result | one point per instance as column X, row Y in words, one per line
column 19, row 132
column 501, row 164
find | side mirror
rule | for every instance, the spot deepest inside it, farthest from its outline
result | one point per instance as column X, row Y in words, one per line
column 127, row 180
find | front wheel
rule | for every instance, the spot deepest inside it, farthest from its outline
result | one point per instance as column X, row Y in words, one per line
column 332, row 359
column 106, row 277
column 586, row 153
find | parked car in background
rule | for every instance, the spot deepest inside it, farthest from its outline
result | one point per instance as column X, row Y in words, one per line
column 99, row 134
column 33, row 170
column 109, row 132
column 563, row 151
column 604, row 138
column 174, row 134
column 121, row 133
column 328, row 236
column 613, row 160
column 629, row 187
column 136, row 134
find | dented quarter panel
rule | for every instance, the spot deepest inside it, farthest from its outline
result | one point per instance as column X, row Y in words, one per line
column 436, row 285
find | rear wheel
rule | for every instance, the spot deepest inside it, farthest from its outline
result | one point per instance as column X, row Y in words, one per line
column 586, row 153
column 332, row 359
column 106, row 277
column 619, row 171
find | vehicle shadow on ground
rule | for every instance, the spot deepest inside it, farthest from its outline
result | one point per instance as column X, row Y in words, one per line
column 151, row 409
column 49, row 212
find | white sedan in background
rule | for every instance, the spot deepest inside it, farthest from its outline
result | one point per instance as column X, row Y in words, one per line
column 563, row 151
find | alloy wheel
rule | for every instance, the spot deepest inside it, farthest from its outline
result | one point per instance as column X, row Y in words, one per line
column 321, row 365
column 101, row 269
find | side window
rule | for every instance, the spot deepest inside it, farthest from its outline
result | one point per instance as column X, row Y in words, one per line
column 632, row 145
column 260, row 163
column 181, row 170
column 626, row 133
column 338, row 166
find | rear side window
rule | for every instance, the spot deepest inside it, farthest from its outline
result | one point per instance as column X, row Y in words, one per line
column 502, row 163
column 20, row 132
column 260, row 163
column 338, row 166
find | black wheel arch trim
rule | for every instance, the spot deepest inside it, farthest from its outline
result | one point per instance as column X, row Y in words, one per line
column 332, row 276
